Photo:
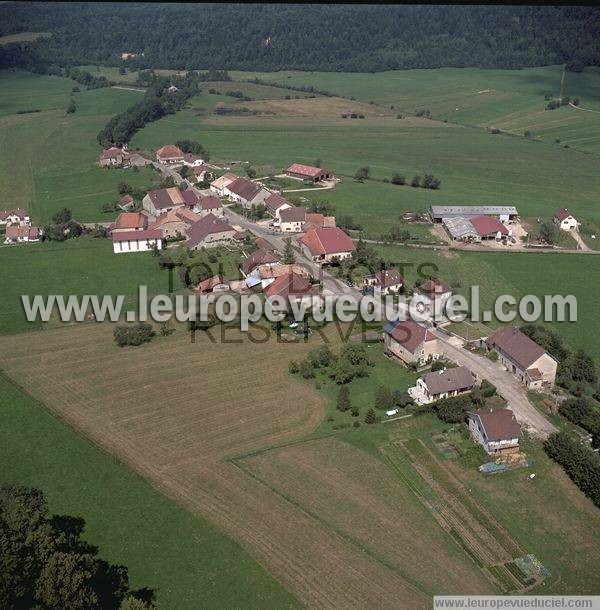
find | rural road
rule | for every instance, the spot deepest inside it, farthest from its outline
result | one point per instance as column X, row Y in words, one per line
column 507, row 385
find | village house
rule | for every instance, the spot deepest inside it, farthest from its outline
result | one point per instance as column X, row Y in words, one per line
column 125, row 203
column 411, row 342
column 433, row 294
column 289, row 288
column 389, row 280
column 266, row 274
column 209, row 205
column 523, row 357
column 16, row 216
column 192, row 160
column 308, row 173
column 137, row 241
column 291, row 220
column 262, row 256
column 219, row 185
column 565, row 220
column 208, row 232
column 17, row 234
column 174, row 224
column 129, row 221
column 216, row 283
column 162, row 201
column 316, row 220
column 496, row 430
column 114, row 157
column 202, row 173
column 442, row 384
column 275, row 203
column 169, row 155
column 246, row 192
column 326, row 245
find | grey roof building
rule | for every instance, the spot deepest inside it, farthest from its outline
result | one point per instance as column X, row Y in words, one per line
column 504, row 212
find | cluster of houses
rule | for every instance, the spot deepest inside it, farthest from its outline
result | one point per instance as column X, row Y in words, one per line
column 17, row 227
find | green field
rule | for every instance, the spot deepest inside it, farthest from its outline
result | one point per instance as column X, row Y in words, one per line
column 186, row 560
column 511, row 100
column 22, row 37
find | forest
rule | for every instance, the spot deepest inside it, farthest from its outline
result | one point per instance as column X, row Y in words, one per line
column 358, row 38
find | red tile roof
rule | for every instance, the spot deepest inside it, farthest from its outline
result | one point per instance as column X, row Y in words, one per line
column 257, row 258
column 200, row 169
column 388, row 277
column 304, row 170
column 111, row 153
column 274, row 201
column 19, row 231
column 169, row 151
column 498, row 424
column 210, row 202
column 433, row 287
column 244, row 188
column 516, row 345
column 291, row 284
column 130, row 220
column 166, row 198
column 488, row 225
column 330, row 240
column 137, row 235
column 210, row 283
column 562, row 214
column 409, row 334
column 20, row 212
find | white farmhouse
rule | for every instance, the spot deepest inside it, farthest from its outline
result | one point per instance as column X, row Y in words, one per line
column 565, row 220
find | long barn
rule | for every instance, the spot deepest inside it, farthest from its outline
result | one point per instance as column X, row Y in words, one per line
column 503, row 212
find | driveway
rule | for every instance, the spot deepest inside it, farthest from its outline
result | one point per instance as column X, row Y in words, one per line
column 507, row 385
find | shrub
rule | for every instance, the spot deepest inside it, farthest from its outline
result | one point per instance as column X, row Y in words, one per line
column 487, row 389
column 343, row 399
column 453, row 410
column 293, row 367
column 142, row 332
column 383, row 398
column 370, row 417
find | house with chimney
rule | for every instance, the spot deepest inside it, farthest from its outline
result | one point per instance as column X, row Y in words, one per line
column 209, row 204
column 275, row 203
column 114, row 157
column 18, row 234
column 533, row 366
column 129, row 221
column 411, row 342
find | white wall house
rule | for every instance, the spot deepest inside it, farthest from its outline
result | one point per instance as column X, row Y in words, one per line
column 497, row 431
column 137, row 241
column 565, row 220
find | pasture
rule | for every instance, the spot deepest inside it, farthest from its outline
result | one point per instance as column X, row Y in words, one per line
column 184, row 558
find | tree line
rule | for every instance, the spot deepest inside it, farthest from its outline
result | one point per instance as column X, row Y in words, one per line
column 358, row 38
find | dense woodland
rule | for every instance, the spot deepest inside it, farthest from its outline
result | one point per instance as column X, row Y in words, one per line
column 308, row 37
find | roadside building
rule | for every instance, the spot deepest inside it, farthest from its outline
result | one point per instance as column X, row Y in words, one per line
column 114, row 157
column 442, row 384
column 460, row 229
column 129, row 221
column 275, row 203
column 175, row 223
column 269, row 272
column 209, row 204
column 169, row 155
column 565, row 220
column 326, row 245
column 523, row 357
column 316, row 220
column 433, row 294
column 497, row 431
column 208, row 232
column 262, row 256
column 411, row 342
column 219, row 185
column 137, row 241
column 389, row 280
column 489, row 227
column 17, row 234
column 289, row 288
column 291, row 220
column 246, row 192
column 162, row 201
column 202, row 173
column 308, row 173
column 504, row 213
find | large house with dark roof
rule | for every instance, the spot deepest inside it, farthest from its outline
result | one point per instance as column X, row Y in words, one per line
column 262, row 256
column 162, row 201
column 497, row 431
column 442, row 384
column 275, row 203
column 246, row 192
column 411, row 342
column 327, row 244
column 523, row 357
column 208, row 232
column 291, row 220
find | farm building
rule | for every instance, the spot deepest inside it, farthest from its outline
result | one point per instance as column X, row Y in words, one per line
column 315, row 220
column 129, row 221
column 433, row 295
column 16, row 216
column 291, row 220
column 460, row 229
column 523, row 357
column 246, row 192
column 219, row 185
column 175, row 222
column 489, row 227
column 308, row 173
column 262, row 256
column 565, row 220
column 209, row 205
column 137, row 241
column 209, row 231
column 169, row 155
column 411, row 342
column 389, row 280
column 497, row 431
column 327, row 244
column 113, row 157
column 290, row 287
column 17, row 234
column 442, row 384
column 504, row 213
column 162, row 201
column 192, row 160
